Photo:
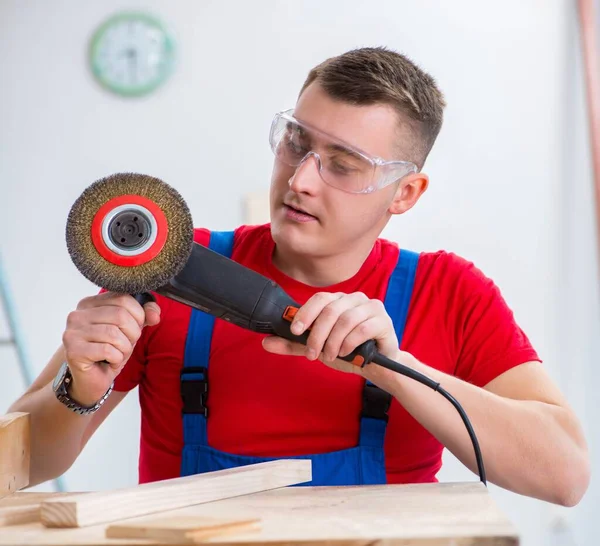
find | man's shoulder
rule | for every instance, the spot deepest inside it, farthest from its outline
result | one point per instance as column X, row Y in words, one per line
column 436, row 261
column 449, row 272
column 242, row 232
column 444, row 259
column 442, row 269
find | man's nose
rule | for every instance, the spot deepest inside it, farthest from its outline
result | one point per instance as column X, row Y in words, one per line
column 307, row 176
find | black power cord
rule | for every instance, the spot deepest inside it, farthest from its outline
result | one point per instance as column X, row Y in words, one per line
column 390, row 364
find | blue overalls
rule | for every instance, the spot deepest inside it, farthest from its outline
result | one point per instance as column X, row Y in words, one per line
column 363, row 464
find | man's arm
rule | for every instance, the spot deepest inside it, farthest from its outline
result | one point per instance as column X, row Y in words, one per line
column 97, row 343
column 531, row 441
column 58, row 435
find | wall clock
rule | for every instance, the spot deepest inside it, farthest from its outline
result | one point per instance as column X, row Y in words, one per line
column 132, row 54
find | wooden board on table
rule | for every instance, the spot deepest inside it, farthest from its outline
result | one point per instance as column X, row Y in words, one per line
column 457, row 514
column 183, row 530
column 14, row 452
column 148, row 498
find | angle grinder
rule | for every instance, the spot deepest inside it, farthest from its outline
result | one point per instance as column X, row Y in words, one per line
column 133, row 233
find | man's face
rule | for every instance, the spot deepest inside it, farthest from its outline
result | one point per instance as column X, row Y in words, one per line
column 312, row 218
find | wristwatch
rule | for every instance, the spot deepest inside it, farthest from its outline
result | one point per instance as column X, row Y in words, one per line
column 61, row 384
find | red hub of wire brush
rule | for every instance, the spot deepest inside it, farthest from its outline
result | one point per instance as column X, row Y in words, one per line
column 129, row 230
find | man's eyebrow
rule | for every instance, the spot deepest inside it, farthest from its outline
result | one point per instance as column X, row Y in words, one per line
column 344, row 150
column 332, row 147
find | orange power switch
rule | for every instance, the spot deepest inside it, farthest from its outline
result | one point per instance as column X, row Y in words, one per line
column 290, row 313
column 358, row 360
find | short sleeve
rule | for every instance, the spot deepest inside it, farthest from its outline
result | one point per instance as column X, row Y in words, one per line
column 487, row 336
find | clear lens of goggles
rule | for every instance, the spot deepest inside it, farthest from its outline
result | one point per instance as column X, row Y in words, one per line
column 339, row 165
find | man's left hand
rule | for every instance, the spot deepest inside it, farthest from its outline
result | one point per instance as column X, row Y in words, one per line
column 338, row 323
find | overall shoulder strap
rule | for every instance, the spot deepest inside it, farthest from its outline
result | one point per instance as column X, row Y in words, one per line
column 194, row 377
column 197, row 347
column 376, row 402
column 400, row 288
column 222, row 242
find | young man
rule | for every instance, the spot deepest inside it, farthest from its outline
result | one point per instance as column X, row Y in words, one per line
column 347, row 158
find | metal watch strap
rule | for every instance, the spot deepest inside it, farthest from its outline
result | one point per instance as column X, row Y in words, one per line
column 65, row 399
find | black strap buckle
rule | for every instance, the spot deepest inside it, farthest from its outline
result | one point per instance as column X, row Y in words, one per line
column 376, row 402
column 194, row 392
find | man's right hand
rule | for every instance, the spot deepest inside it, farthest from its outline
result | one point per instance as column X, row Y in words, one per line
column 104, row 327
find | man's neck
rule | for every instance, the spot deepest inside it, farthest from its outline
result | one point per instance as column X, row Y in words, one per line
column 325, row 271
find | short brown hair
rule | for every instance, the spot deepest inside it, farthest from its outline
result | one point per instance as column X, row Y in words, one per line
column 377, row 75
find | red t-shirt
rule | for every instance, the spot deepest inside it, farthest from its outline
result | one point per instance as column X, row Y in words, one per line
column 269, row 405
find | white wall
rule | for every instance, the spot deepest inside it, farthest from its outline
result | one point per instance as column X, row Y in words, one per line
column 510, row 175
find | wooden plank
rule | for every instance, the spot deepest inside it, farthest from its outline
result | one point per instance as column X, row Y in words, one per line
column 458, row 514
column 24, row 507
column 183, row 530
column 16, row 515
column 106, row 506
column 14, row 452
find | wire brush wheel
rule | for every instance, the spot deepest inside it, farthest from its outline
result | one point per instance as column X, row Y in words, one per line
column 129, row 233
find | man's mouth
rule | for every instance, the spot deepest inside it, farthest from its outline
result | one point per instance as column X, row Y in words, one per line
column 298, row 214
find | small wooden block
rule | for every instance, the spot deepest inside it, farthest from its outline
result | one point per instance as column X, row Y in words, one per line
column 183, row 530
column 14, row 452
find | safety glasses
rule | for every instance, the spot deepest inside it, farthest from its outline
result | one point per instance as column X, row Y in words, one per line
column 340, row 165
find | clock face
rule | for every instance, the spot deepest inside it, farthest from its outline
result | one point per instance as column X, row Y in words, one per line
column 131, row 54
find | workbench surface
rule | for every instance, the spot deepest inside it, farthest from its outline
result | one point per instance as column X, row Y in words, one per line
column 457, row 514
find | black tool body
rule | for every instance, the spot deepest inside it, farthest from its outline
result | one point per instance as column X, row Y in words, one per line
column 227, row 290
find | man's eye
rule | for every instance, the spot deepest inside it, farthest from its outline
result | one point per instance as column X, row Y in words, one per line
column 340, row 168
column 296, row 147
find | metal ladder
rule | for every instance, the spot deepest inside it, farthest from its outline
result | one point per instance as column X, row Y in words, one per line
column 15, row 340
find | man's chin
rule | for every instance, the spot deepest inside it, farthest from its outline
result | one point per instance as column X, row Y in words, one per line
column 295, row 237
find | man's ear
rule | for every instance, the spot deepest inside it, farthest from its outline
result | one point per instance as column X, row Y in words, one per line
column 409, row 191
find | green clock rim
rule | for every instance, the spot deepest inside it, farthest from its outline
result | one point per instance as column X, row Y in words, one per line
column 164, row 73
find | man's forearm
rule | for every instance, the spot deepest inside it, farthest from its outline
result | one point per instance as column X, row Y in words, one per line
column 56, row 434
column 530, row 447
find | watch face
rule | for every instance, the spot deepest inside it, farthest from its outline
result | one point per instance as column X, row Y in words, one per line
column 58, row 380
column 131, row 54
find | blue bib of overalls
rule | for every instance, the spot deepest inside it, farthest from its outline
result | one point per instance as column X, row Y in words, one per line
column 362, row 464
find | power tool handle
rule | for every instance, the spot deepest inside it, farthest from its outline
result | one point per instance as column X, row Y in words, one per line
column 362, row 355
column 144, row 298
column 274, row 312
